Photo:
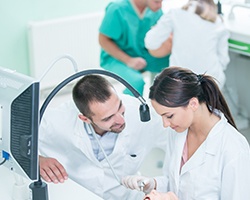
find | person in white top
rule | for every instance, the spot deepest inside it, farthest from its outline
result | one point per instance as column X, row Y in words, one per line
column 206, row 156
column 68, row 148
column 200, row 39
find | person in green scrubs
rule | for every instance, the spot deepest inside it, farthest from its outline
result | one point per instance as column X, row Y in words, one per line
column 121, row 36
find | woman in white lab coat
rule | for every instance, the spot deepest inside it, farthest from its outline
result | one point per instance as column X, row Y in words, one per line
column 64, row 136
column 206, row 157
column 200, row 39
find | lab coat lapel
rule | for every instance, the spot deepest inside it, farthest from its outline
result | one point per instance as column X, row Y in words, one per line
column 196, row 160
column 83, row 142
column 121, row 144
column 208, row 148
column 177, row 155
column 119, row 152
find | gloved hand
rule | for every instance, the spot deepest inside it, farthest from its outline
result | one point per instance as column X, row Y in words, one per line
column 134, row 183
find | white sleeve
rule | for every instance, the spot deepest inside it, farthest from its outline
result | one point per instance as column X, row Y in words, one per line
column 45, row 131
column 157, row 133
column 53, row 125
column 159, row 33
column 162, row 183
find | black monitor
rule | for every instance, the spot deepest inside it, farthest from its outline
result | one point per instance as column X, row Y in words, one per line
column 19, row 123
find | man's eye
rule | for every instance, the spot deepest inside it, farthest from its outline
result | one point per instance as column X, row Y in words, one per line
column 106, row 119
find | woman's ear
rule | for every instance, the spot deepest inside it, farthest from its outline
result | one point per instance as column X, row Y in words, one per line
column 84, row 118
column 193, row 103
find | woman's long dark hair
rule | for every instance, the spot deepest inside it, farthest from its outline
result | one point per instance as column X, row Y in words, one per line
column 175, row 86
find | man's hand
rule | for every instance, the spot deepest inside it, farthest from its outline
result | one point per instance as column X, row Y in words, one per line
column 137, row 63
column 51, row 170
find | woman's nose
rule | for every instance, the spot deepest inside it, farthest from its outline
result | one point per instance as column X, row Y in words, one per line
column 166, row 123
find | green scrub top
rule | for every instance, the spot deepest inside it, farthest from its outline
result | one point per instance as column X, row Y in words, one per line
column 127, row 29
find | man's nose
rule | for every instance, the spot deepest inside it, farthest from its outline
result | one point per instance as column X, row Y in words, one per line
column 119, row 118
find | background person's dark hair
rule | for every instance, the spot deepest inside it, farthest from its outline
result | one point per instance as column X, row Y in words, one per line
column 175, row 86
column 91, row 88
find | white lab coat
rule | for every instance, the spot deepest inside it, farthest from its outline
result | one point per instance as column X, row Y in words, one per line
column 218, row 170
column 198, row 44
column 62, row 136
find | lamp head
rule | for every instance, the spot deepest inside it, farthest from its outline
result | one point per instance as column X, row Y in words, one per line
column 144, row 113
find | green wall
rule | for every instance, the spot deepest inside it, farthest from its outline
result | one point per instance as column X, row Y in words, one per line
column 15, row 16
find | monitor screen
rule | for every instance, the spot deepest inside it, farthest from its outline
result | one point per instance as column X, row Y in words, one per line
column 19, row 120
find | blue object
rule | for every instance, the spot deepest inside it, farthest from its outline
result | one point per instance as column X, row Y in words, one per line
column 5, row 155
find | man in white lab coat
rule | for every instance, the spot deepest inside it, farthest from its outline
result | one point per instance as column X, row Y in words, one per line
column 69, row 148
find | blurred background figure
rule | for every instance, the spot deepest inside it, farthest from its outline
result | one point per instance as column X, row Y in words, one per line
column 200, row 39
column 121, row 37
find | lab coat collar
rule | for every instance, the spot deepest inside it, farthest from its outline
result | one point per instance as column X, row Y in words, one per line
column 212, row 141
column 84, row 144
column 208, row 148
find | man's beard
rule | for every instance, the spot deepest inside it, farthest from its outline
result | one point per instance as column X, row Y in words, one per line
column 117, row 129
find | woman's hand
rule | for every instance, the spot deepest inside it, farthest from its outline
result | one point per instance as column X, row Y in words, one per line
column 139, row 183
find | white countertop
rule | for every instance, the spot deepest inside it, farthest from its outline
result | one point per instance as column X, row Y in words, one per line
column 239, row 25
column 61, row 191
